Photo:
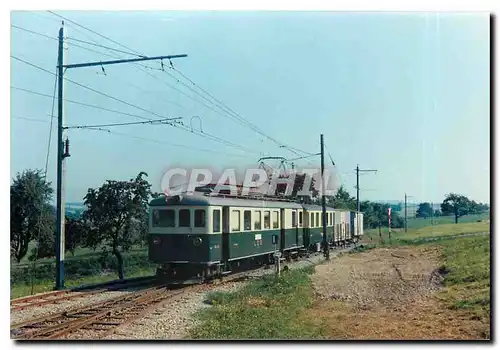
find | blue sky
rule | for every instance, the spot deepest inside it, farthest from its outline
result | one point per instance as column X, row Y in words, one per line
column 407, row 94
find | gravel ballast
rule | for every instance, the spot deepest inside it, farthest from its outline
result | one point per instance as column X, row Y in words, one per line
column 171, row 319
column 48, row 309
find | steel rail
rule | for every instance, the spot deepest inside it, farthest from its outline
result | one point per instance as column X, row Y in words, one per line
column 68, row 294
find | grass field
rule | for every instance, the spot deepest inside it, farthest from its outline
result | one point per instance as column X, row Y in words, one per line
column 79, row 254
column 429, row 231
column 417, row 223
column 20, row 290
column 467, row 276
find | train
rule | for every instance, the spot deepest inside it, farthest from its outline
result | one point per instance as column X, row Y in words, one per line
column 197, row 237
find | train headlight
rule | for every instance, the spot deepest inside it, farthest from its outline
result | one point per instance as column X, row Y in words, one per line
column 197, row 241
column 156, row 240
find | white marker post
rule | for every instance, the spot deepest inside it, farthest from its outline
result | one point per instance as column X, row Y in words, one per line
column 277, row 255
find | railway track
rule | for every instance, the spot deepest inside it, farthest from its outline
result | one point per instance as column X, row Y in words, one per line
column 68, row 294
column 99, row 320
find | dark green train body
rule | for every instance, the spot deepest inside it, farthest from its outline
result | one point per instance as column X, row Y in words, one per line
column 203, row 236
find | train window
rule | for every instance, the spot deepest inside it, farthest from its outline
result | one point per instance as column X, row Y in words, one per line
column 216, row 220
column 257, row 220
column 164, row 218
column 184, row 218
column 199, row 218
column 294, row 219
column 275, row 220
column 311, row 224
column 267, row 219
column 331, row 221
column 300, row 218
column 317, row 219
column 235, row 220
column 247, row 220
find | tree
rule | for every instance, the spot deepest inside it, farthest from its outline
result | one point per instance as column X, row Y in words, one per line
column 424, row 210
column 455, row 204
column 46, row 238
column 369, row 220
column 113, row 211
column 30, row 194
column 437, row 212
column 375, row 215
column 478, row 208
column 342, row 200
column 74, row 233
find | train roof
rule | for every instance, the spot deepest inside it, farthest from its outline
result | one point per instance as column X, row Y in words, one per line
column 201, row 200
column 316, row 207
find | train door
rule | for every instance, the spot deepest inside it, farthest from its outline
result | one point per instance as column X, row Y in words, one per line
column 282, row 229
column 356, row 222
column 225, row 233
column 334, row 222
column 299, row 224
column 295, row 227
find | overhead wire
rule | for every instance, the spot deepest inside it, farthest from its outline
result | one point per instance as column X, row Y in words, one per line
column 88, row 88
column 231, row 112
column 31, row 119
column 145, row 139
column 104, row 47
column 202, row 134
column 92, row 31
column 235, row 114
column 118, row 124
column 81, row 103
column 94, row 51
column 50, row 129
column 109, row 48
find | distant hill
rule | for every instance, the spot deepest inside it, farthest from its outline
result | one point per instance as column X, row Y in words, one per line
column 74, row 209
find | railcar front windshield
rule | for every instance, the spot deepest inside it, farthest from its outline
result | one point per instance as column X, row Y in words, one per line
column 163, row 218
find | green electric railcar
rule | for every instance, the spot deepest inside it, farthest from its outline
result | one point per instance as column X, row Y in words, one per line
column 201, row 236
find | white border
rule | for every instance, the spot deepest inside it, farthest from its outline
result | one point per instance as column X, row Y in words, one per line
column 353, row 5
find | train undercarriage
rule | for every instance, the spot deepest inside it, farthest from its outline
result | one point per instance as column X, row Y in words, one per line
column 194, row 273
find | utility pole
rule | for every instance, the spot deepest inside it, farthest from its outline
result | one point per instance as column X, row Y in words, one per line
column 432, row 213
column 323, row 199
column 63, row 149
column 358, row 170
column 357, row 188
column 406, row 213
column 60, row 222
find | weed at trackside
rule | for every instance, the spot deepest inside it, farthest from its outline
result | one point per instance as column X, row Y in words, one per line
column 268, row 308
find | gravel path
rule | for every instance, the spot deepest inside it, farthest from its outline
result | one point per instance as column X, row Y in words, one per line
column 379, row 277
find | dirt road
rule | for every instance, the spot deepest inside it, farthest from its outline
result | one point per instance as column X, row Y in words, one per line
column 387, row 293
